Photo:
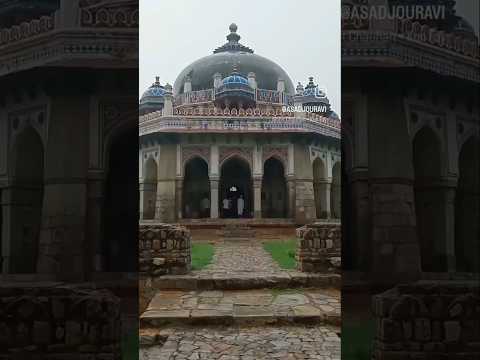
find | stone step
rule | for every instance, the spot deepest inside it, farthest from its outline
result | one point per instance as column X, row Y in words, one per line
column 252, row 307
column 243, row 281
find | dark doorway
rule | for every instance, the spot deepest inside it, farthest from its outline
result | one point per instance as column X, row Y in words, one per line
column 467, row 200
column 26, row 201
column 196, row 190
column 274, row 190
column 428, row 204
column 236, row 188
column 121, row 205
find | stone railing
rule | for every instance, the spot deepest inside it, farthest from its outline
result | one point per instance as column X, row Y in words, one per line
column 156, row 123
column 319, row 247
column 428, row 320
column 59, row 323
column 27, row 30
column 415, row 31
column 194, row 97
column 119, row 14
column 164, row 249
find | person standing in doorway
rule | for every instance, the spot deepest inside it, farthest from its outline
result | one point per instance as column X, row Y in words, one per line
column 240, row 206
column 225, row 206
column 205, row 204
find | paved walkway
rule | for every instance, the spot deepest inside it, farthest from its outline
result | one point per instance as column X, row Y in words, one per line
column 193, row 322
column 321, row 306
column 239, row 259
column 247, row 343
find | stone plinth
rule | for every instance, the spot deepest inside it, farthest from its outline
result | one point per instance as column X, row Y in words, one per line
column 59, row 323
column 428, row 320
column 164, row 249
column 319, row 247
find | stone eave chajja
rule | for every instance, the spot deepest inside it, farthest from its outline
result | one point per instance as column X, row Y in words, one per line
column 151, row 124
column 390, row 49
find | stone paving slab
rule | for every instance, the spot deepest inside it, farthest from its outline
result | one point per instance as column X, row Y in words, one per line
column 244, row 306
column 241, row 343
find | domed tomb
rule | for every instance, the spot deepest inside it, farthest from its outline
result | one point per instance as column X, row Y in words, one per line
column 200, row 74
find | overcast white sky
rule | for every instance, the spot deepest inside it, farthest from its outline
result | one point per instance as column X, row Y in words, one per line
column 302, row 36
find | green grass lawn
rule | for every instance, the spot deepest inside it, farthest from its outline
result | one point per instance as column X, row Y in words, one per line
column 357, row 339
column 202, row 254
column 283, row 252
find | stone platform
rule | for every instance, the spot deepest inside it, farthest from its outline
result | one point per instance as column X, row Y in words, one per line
column 240, row 307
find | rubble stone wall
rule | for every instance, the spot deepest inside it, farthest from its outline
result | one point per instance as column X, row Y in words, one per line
column 164, row 250
column 52, row 323
column 319, row 247
column 428, row 320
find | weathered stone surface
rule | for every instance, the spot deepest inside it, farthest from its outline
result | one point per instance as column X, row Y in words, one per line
column 58, row 323
column 164, row 249
column 247, row 343
column 319, row 247
column 436, row 320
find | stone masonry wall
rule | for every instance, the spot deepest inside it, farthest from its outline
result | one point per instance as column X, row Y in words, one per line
column 164, row 249
column 59, row 323
column 428, row 320
column 319, row 247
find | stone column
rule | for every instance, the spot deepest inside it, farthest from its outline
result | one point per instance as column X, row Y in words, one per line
column 257, row 198
column 291, row 196
column 6, row 230
column 95, row 200
column 326, row 192
column 214, row 198
column 179, row 197
column 445, row 247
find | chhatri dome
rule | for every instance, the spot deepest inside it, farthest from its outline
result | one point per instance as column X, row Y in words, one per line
column 153, row 98
column 232, row 54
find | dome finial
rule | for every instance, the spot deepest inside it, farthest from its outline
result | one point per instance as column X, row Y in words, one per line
column 233, row 37
column 157, row 80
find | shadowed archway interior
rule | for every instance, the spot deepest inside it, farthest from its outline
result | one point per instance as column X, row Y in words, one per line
column 467, row 200
column 428, row 204
column 236, row 183
column 196, row 189
column 274, row 190
column 27, row 201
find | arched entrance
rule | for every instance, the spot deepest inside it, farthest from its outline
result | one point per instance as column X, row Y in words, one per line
column 149, row 188
column 467, row 247
column 235, row 184
column 320, row 189
column 26, row 201
column 121, row 204
column 428, row 208
column 336, row 191
column 196, row 189
column 274, row 190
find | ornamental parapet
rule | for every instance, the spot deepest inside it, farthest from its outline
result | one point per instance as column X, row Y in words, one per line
column 262, row 96
column 153, row 123
column 414, row 44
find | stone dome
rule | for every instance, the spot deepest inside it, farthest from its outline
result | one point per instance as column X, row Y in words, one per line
column 232, row 54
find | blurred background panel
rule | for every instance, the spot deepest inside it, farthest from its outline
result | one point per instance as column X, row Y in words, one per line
column 410, row 197
column 68, row 182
